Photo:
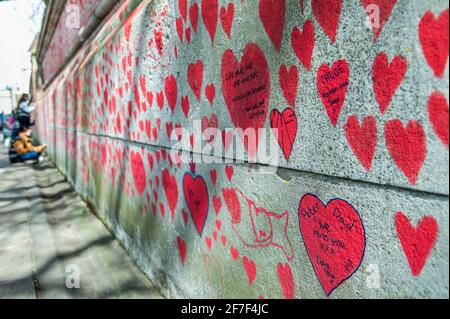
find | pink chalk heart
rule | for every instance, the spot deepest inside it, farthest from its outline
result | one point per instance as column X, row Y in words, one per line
column 334, row 238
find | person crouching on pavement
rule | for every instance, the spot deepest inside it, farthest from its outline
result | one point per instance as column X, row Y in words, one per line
column 25, row 148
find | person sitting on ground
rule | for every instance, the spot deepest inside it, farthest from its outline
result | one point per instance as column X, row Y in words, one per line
column 24, row 109
column 25, row 148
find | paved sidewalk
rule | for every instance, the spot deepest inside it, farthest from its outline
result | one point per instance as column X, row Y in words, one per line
column 45, row 228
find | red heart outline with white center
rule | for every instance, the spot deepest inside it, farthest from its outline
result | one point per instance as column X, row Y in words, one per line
column 313, row 245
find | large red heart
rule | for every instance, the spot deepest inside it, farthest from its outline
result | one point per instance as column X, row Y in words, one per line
column 417, row 242
column 384, row 8
column 438, row 115
column 170, row 89
column 328, row 13
column 286, row 280
column 272, row 13
column 289, row 83
column 246, row 90
column 433, row 35
column 334, row 238
column 303, row 43
column 226, row 17
column 197, row 199
column 210, row 14
column 195, row 77
column 387, row 78
column 171, row 190
column 407, row 147
column 285, row 128
column 362, row 139
column 333, row 85
column 138, row 172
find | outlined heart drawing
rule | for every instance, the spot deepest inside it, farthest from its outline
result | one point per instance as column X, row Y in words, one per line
column 334, row 238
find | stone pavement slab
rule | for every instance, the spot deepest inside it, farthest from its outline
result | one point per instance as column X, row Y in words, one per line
column 48, row 235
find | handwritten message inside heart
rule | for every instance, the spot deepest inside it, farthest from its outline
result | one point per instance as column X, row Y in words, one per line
column 332, row 84
column 334, row 238
column 197, row 199
column 417, row 242
column 246, row 90
column 284, row 126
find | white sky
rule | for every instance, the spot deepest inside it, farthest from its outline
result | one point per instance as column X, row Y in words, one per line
column 18, row 26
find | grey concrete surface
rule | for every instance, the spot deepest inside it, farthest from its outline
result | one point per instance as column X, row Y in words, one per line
column 45, row 229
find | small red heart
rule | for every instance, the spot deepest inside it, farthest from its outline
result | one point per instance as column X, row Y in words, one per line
column 160, row 100
column 181, row 244
column 433, row 36
column 250, row 269
column 213, row 174
column 224, row 240
column 187, row 34
column 226, row 17
column 218, row 224
column 407, row 147
column 328, row 13
column 195, row 77
column 208, row 242
column 362, row 139
column 185, row 216
column 182, row 6
column 210, row 92
column 210, row 15
column 438, row 115
column 417, row 242
column 303, row 43
column 179, row 26
column 387, row 77
column 171, row 91
column 229, row 171
column 193, row 16
column 289, row 83
column 217, row 203
column 286, row 280
column 234, row 253
column 272, row 14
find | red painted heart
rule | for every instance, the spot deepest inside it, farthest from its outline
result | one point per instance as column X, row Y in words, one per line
column 333, row 85
column 193, row 16
column 171, row 91
column 272, row 14
column 334, row 238
column 181, row 244
column 138, row 172
column 197, row 199
column 387, row 78
column 286, row 280
column 185, row 106
column 289, row 83
column 171, row 190
column 250, row 269
column 247, row 111
column 284, row 126
column 210, row 92
column 384, row 9
column 417, row 242
column 182, row 6
column 407, row 147
column 362, row 139
column 433, row 36
column 438, row 115
column 210, row 127
column 303, row 43
column 195, row 77
column 226, row 18
column 328, row 13
column 210, row 15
